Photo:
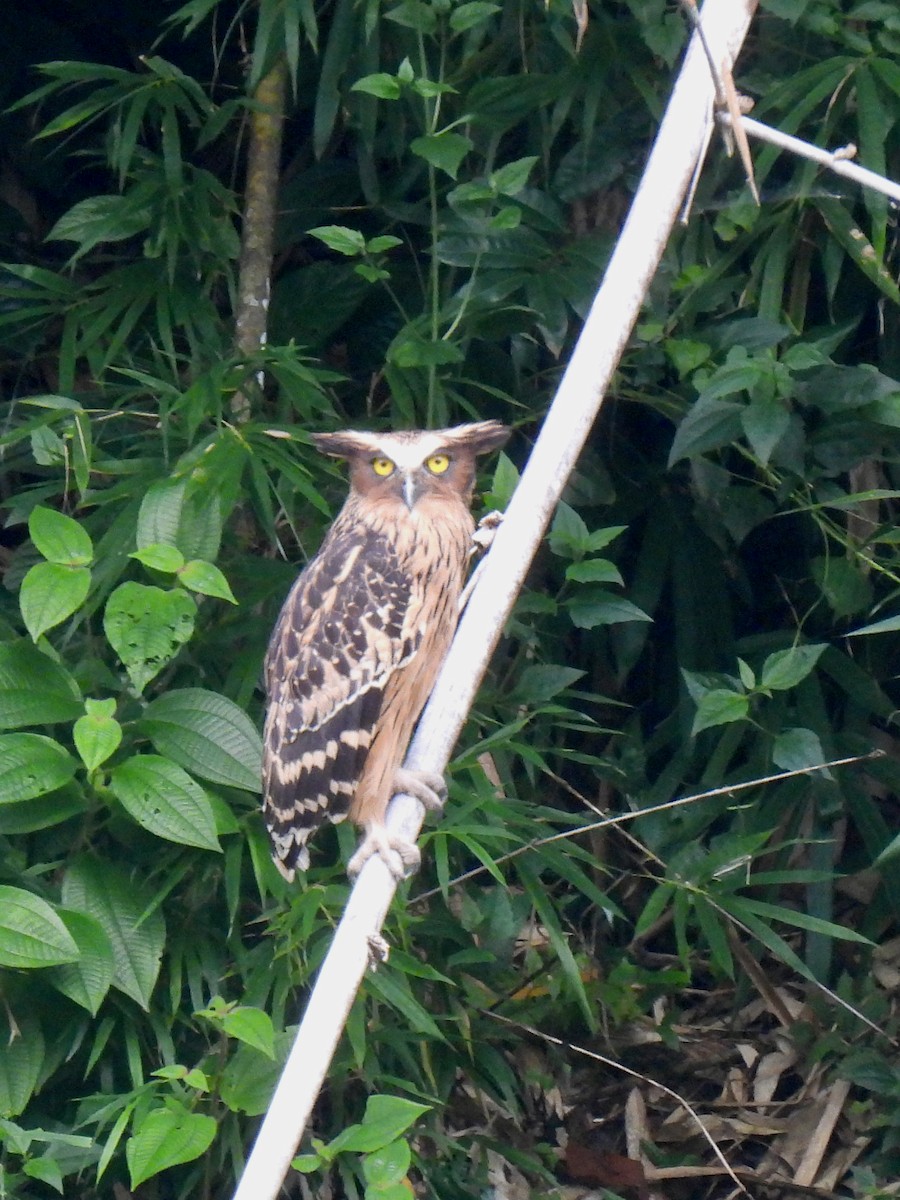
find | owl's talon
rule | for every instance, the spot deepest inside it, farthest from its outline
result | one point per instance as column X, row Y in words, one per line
column 401, row 857
column 428, row 787
column 487, row 527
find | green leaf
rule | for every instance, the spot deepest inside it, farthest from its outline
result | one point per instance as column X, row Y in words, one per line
column 21, row 1062
column 166, row 1137
column 385, row 1119
column 31, row 933
column 32, row 765
column 146, row 627
column 887, row 625
column 59, row 538
column 849, row 235
column 124, row 908
column 97, row 734
column 796, row 749
column 34, row 690
column 385, row 87
column 471, row 14
column 387, row 1165
column 208, row 734
column 159, row 556
column 87, row 980
column 442, row 150
column 594, row 570
column 251, row 1026
column 709, row 425
column 594, row 607
column 720, row 706
column 100, row 219
column 540, row 682
column 339, row 238
column 50, row 593
column 46, row 1169
column 786, row 668
column 765, row 422
column 204, row 577
column 509, row 180
column 165, row 800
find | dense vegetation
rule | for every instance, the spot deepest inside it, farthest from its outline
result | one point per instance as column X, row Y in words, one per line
column 716, row 603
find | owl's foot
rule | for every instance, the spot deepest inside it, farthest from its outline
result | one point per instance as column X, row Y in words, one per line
column 487, row 527
column 428, row 787
column 400, row 856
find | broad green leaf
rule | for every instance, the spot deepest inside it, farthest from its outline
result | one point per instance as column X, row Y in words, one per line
column 594, row 570
column 146, row 626
column 540, row 682
column 339, row 238
column 21, row 1062
column 409, row 350
column 160, row 557
column 123, row 906
column 709, row 425
column 786, row 668
column 593, row 607
column 31, row 933
column 471, row 14
column 796, row 749
column 165, row 800
column 204, row 577
column 34, row 690
column 183, row 513
column 87, row 980
column 100, row 219
column 385, row 1119
column 765, row 421
column 719, row 707
column 32, row 765
column 250, row 1077
column 166, row 1137
column 42, row 812
column 385, row 87
column 252, row 1026
column 208, row 734
column 844, row 585
column 387, row 1165
column 509, row 180
column 97, row 734
column 51, row 593
column 46, row 1169
column 59, row 538
column 442, row 150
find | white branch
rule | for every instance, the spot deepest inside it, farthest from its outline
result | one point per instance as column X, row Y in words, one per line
column 568, row 423
column 836, row 160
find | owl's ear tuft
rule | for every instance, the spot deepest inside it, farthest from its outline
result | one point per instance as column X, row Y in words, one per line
column 345, row 443
column 479, row 437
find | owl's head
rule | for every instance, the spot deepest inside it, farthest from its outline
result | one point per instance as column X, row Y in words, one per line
column 414, row 464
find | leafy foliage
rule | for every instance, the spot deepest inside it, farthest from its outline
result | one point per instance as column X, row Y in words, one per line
column 715, row 603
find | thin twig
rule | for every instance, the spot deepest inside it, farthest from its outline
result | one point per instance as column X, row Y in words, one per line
column 606, row 332
column 835, row 160
column 635, row 814
column 620, row 1067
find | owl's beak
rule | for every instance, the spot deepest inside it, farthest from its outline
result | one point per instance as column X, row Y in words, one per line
column 410, row 491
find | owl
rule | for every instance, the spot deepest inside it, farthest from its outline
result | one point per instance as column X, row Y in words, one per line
column 361, row 637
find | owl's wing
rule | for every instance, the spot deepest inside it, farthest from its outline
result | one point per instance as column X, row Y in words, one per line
column 349, row 622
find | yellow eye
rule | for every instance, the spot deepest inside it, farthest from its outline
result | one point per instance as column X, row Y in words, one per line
column 438, row 463
column 382, row 467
